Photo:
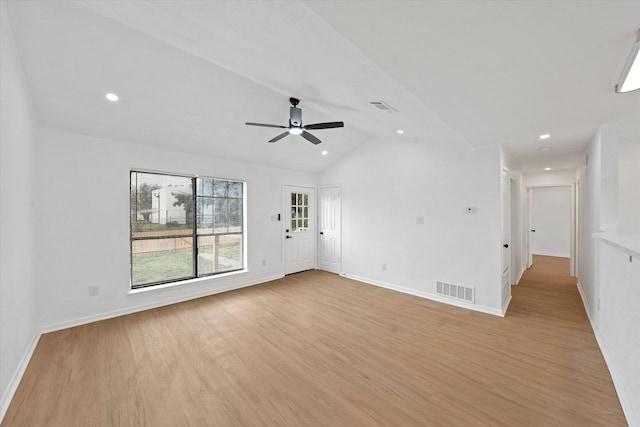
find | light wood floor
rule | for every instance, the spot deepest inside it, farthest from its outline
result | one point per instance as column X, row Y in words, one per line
column 317, row 349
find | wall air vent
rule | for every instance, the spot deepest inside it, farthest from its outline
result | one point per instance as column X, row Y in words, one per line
column 456, row 291
column 381, row 105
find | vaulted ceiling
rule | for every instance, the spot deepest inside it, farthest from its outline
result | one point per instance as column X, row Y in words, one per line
column 463, row 73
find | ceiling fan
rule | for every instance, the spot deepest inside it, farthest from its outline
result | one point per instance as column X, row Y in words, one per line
column 295, row 125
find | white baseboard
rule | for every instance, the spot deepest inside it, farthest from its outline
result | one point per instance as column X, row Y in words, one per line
column 520, row 276
column 505, row 306
column 17, row 376
column 141, row 307
column 587, row 307
column 633, row 417
column 427, row 295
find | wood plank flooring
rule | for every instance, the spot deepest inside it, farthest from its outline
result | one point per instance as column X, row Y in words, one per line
column 316, row 349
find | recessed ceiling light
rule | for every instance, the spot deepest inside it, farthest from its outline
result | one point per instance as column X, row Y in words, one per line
column 545, row 136
column 400, row 131
column 547, row 169
column 325, row 152
column 545, row 148
column 111, row 97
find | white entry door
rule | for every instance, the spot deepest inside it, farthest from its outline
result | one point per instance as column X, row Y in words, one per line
column 329, row 220
column 300, row 229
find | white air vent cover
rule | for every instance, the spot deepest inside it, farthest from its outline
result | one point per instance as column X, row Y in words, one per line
column 381, row 105
column 456, row 291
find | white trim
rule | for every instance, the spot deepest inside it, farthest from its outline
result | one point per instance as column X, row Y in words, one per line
column 585, row 303
column 17, row 376
column 519, row 277
column 169, row 285
column 427, row 295
column 633, row 418
column 505, row 306
column 625, row 242
column 129, row 310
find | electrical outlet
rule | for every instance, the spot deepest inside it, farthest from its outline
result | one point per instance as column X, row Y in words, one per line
column 420, row 220
column 384, row 267
column 93, row 291
column 264, row 262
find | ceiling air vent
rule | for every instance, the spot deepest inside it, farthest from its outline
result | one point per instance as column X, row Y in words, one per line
column 381, row 105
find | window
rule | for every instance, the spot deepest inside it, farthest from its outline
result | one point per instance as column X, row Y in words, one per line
column 184, row 227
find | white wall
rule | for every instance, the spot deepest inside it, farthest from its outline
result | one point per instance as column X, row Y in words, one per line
column 549, row 178
column 589, row 223
column 81, row 244
column 386, row 185
column 18, row 325
column 608, row 282
column 617, row 331
column 551, row 220
column 629, row 186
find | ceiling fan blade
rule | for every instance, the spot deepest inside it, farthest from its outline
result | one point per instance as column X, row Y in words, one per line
column 327, row 125
column 265, row 125
column 279, row 137
column 306, row 135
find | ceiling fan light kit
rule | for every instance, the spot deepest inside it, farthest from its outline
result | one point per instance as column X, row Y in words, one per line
column 295, row 125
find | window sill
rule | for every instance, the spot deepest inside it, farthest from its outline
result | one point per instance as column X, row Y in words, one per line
column 185, row 282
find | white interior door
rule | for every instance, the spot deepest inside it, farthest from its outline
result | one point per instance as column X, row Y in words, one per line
column 329, row 225
column 300, row 229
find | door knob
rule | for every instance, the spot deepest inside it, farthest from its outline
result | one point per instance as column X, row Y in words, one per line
column 506, row 245
column 533, row 231
column 287, row 237
column 322, row 232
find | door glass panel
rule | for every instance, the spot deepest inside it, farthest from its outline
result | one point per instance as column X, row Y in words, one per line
column 299, row 212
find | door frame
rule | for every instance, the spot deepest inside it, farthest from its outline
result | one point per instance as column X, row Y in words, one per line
column 573, row 215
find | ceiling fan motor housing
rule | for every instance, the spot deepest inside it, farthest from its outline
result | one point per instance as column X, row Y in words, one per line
column 295, row 115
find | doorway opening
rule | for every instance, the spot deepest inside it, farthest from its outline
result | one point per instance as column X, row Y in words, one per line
column 551, row 223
